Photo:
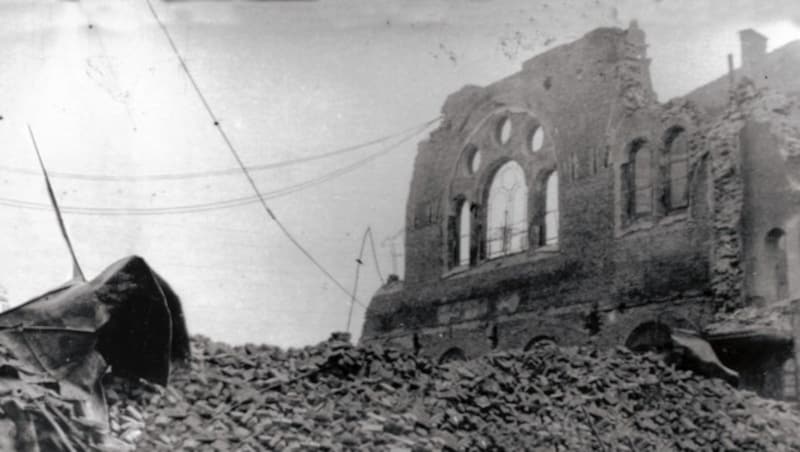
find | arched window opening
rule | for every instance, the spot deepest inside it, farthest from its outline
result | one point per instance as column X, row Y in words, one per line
column 675, row 170
column 464, row 232
column 452, row 355
column 536, row 139
column 507, row 213
column 504, row 130
column 472, row 159
column 776, row 277
column 637, row 181
column 551, row 210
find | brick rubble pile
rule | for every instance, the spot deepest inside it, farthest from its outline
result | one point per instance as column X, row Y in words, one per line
column 39, row 413
column 334, row 396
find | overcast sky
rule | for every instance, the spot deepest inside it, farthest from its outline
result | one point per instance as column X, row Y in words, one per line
column 287, row 80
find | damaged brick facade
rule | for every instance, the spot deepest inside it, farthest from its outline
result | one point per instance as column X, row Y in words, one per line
column 634, row 213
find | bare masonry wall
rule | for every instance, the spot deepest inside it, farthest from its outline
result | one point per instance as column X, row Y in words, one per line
column 611, row 271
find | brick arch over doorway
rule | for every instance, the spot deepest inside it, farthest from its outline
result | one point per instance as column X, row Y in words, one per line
column 538, row 341
column 451, row 355
column 649, row 336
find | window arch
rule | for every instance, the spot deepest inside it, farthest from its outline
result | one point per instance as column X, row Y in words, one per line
column 649, row 336
column 507, row 212
column 675, row 170
column 464, row 233
column 550, row 236
column 637, row 180
column 451, row 355
column 540, row 341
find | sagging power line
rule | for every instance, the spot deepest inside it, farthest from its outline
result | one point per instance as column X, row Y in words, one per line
column 215, row 205
column 223, row 171
column 241, row 164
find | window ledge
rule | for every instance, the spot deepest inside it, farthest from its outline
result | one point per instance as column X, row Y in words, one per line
column 456, row 270
column 521, row 257
column 675, row 216
column 647, row 223
column 552, row 248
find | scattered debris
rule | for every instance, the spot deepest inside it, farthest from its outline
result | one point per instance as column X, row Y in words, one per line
column 56, row 349
column 40, row 413
column 335, row 396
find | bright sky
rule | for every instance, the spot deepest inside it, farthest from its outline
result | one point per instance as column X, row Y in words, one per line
column 287, row 80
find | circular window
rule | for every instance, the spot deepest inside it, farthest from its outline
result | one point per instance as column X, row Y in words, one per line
column 537, row 139
column 473, row 159
column 504, row 130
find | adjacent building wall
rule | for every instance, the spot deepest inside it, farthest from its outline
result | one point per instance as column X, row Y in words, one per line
column 591, row 97
column 610, row 276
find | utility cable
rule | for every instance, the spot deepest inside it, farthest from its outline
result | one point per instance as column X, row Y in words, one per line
column 238, row 159
column 223, row 171
column 209, row 206
column 359, row 262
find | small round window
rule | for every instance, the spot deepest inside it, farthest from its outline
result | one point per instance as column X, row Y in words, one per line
column 473, row 159
column 536, row 139
column 504, row 130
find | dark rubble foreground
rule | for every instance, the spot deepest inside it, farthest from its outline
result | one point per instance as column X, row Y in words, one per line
column 334, row 396
column 55, row 350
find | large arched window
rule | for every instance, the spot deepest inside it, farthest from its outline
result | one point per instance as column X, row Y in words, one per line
column 675, row 170
column 464, row 232
column 507, row 212
column 551, row 210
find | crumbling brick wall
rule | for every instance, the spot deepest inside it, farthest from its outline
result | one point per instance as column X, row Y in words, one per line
column 722, row 143
column 606, row 276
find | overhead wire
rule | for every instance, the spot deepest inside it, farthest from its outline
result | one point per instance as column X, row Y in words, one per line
column 238, row 159
column 215, row 205
column 223, row 171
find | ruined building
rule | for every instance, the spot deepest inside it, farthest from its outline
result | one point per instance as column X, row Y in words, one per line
column 565, row 203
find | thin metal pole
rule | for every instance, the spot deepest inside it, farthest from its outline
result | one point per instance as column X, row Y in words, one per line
column 353, row 298
column 395, row 255
column 359, row 262
column 76, row 268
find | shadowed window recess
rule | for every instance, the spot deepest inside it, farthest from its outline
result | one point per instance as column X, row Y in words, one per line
column 674, row 169
column 776, row 277
column 464, row 232
column 503, row 130
column 550, row 234
column 637, row 189
column 452, row 355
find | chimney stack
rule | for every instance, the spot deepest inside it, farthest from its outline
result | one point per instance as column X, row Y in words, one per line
column 754, row 48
